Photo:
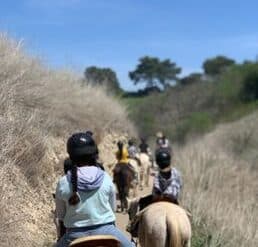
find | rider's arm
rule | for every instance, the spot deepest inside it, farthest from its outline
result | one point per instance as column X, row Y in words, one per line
column 60, row 213
column 156, row 188
column 174, row 188
column 60, row 208
column 112, row 200
column 112, row 195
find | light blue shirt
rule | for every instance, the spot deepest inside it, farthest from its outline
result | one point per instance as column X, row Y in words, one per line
column 95, row 207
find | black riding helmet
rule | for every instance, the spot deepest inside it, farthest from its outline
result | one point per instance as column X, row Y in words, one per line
column 81, row 147
column 130, row 142
column 163, row 158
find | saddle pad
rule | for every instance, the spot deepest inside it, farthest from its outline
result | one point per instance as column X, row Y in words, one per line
column 96, row 241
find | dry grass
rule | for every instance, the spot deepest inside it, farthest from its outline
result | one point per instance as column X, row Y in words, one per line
column 221, row 188
column 39, row 109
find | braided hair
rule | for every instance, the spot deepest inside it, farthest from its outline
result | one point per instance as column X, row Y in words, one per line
column 74, row 199
column 67, row 165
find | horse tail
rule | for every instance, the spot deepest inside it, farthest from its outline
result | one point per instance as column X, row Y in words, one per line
column 173, row 232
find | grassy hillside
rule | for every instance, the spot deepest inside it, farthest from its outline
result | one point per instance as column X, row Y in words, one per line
column 220, row 175
column 185, row 111
column 219, row 157
column 39, row 109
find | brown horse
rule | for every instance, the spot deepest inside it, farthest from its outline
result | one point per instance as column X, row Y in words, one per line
column 123, row 178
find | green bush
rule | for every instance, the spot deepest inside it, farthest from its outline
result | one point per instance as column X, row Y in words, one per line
column 197, row 123
column 193, row 109
column 249, row 91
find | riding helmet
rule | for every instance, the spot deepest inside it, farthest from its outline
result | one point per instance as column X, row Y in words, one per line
column 163, row 158
column 130, row 142
column 81, row 145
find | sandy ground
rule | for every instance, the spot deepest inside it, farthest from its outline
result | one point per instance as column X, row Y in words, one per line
column 122, row 219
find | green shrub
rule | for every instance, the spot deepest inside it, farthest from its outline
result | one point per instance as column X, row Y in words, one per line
column 197, row 123
column 249, row 90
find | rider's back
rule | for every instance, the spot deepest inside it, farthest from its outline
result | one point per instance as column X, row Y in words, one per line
column 97, row 201
column 122, row 158
column 144, row 147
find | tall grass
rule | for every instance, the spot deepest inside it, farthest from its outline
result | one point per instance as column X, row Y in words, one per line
column 39, row 109
column 221, row 186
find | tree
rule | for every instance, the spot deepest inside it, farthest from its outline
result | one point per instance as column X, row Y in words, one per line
column 215, row 66
column 102, row 76
column 249, row 91
column 190, row 79
column 154, row 72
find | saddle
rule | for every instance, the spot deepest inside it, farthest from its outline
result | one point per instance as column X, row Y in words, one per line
column 96, row 241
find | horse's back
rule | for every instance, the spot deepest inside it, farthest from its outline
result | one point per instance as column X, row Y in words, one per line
column 152, row 227
column 144, row 157
column 123, row 174
column 134, row 164
column 163, row 218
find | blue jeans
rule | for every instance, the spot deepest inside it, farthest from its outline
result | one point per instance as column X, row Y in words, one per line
column 108, row 229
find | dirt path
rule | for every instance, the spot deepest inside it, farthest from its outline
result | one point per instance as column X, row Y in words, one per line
column 122, row 219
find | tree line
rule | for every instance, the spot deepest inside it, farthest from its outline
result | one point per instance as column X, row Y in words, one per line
column 158, row 75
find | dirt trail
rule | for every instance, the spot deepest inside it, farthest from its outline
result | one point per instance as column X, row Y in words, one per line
column 122, row 219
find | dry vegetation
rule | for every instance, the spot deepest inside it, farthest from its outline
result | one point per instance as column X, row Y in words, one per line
column 221, row 185
column 39, row 108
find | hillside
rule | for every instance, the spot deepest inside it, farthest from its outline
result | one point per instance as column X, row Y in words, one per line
column 39, row 109
column 220, row 174
column 191, row 109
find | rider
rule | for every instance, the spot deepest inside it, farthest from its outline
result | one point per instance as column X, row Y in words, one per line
column 122, row 156
column 167, row 183
column 122, row 153
column 162, row 142
column 144, row 147
column 85, row 197
column 132, row 149
column 166, row 186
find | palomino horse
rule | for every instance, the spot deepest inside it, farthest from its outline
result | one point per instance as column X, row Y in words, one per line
column 145, row 165
column 135, row 164
column 123, row 178
column 163, row 224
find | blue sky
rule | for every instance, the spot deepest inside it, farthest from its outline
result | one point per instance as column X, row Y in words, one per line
column 116, row 33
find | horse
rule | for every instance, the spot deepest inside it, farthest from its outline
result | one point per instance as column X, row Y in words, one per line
column 163, row 224
column 123, row 178
column 136, row 165
column 145, row 169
